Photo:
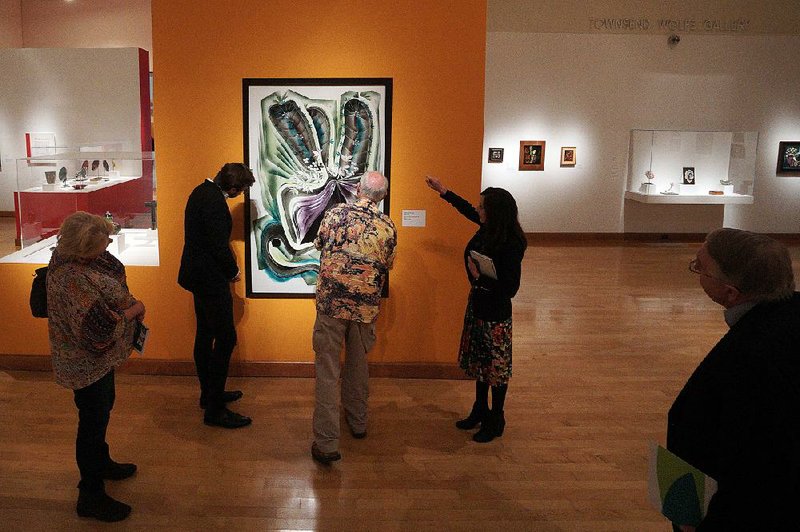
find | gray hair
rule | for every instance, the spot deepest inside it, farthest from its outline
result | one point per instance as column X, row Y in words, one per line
column 374, row 185
column 759, row 266
column 83, row 235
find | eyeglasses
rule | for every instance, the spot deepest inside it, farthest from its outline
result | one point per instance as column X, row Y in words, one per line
column 694, row 267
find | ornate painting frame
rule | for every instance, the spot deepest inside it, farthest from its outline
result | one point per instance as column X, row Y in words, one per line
column 308, row 141
column 531, row 154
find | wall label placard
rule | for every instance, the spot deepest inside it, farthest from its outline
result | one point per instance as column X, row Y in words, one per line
column 689, row 25
column 413, row 218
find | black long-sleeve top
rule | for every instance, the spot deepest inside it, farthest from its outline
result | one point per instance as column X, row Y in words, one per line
column 491, row 298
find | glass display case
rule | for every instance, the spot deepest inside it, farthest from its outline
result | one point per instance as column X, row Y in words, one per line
column 118, row 185
column 691, row 167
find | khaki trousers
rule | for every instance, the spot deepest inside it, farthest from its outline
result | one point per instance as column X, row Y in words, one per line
column 358, row 338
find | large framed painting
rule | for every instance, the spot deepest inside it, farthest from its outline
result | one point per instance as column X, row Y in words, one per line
column 789, row 157
column 308, row 142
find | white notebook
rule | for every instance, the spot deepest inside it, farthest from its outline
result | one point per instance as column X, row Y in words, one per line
column 485, row 264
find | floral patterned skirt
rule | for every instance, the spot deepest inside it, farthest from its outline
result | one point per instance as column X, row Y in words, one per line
column 485, row 352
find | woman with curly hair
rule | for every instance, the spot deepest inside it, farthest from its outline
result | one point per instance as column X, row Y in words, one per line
column 485, row 351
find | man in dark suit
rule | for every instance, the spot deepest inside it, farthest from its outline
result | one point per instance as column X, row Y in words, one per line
column 737, row 419
column 208, row 266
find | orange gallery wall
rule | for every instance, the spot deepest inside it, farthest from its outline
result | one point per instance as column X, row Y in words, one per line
column 433, row 51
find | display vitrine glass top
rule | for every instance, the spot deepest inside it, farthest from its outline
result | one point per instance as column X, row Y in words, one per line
column 116, row 184
column 692, row 166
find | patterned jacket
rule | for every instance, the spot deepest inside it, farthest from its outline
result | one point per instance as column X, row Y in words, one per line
column 357, row 242
column 89, row 334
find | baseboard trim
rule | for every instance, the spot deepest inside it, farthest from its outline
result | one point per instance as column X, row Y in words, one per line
column 139, row 366
column 610, row 239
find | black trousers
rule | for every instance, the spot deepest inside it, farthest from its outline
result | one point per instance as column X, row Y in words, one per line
column 213, row 344
column 94, row 404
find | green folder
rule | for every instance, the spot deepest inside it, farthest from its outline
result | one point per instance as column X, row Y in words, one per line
column 680, row 491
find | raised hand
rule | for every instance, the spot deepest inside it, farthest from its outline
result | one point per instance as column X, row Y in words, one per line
column 435, row 184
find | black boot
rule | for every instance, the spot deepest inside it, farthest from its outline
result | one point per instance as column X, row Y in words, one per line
column 499, row 425
column 488, row 430
column 480, row 408
column 99, row 505
column 116, row 471
column 495, row 422
column 498, row 402
column 475, row 417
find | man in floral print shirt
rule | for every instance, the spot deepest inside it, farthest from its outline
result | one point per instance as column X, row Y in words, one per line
column 357, row 242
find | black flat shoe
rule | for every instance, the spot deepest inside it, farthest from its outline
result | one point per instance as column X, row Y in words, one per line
column 117, row 471
column 226, row 419
column 98, row 505
column 227, row 397
column 324, row 458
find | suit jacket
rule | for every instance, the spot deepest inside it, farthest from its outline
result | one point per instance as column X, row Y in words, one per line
column 207, row 263
column 738, row 420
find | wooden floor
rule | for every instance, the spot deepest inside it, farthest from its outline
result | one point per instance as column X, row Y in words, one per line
column 604, row 339
column 7, row 235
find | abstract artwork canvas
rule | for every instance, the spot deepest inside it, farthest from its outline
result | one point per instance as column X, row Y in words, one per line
column 308, row 142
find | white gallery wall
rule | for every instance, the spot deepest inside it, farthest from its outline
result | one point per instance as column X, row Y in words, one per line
column 590, row 90
column 86, row 96
column 86, row 24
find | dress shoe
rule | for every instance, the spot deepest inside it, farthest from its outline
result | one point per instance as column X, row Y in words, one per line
column 98, row 505
column 324, row 458
column 475, row 417
column 227, row 397
column 117, row 471
column 226, row 419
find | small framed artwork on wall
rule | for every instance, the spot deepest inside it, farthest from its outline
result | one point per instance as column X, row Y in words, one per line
column 789, row 157
column 568, row 156
column 495, row 155
column 531, row 154
column 688, row 175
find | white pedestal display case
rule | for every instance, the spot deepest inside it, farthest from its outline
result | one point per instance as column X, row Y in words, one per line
column 691, row 167
column 114, row 184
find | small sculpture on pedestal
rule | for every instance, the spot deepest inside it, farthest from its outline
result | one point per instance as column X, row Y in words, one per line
column 646, row 186
column 671, row 191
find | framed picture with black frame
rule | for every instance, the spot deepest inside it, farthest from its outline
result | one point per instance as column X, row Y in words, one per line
column 496, row 155
column 308, row 142
column 789, row 157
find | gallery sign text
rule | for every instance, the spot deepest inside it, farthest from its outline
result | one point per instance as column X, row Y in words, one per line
column 682, row 25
